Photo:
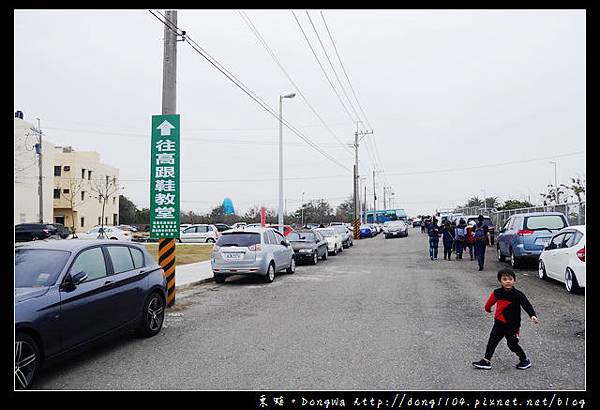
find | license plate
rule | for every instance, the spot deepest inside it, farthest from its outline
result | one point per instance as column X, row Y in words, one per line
column 232, row 255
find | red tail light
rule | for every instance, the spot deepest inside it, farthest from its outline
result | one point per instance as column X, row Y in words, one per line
column 524, row 232
column 255, row 248
column 45, row 230
column 581, row 254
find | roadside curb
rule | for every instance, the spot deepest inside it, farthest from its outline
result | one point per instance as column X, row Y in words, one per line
column 194, row 283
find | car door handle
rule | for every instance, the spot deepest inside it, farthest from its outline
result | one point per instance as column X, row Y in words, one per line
column 108, row 282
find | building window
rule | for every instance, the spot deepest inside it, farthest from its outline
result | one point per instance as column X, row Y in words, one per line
column 57, row 193
column 89, row 175
column 82, row 221
column 115, row 180
column 66, row 168
column 99, row 220
column 107, row 180
column 106, row 220
column 57, row 170
column 83, row 173
column 82, row 195
column 114, row 200
column 66, row 191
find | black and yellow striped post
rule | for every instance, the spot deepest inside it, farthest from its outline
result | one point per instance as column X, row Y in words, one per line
column 356, row 230
column 166, row 260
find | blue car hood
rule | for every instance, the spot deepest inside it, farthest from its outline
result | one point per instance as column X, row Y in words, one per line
column 22, row 294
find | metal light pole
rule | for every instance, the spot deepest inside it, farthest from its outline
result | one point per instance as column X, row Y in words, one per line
column 40, row 174
column 302, row 207
column 280, row 208
column 555, row 181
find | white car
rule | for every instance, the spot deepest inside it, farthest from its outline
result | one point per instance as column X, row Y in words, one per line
column 563, row 258
column 110, row 232
column 199, row 233
column 334, row 240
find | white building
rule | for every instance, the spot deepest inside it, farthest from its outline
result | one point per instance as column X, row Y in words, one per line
column 26, row 178
column 81, row 182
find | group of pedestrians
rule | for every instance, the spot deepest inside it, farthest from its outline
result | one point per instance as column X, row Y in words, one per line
column 458, row 238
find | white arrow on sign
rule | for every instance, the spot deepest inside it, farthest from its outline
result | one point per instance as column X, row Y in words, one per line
column 165, row 128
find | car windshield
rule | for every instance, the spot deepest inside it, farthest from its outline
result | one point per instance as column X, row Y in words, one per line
column 553, row 222
column 328, row 233
column 244, row 240
column 38, row 267
column 396, row 223
column 301, row 237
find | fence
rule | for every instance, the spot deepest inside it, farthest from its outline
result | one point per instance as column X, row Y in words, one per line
column 574, row 211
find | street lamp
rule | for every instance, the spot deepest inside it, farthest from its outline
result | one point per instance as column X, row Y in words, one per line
column 302, row 207
column 280, row 208
column 555, row 181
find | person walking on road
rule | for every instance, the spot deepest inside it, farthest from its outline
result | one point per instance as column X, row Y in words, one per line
column 481, row 232
column 507, row 319
column 470, row 238
column 434, row 239
column 460, row 236
column 448, row 240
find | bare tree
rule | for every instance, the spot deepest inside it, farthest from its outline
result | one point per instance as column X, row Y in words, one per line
column 74, row 199
column 103, row 190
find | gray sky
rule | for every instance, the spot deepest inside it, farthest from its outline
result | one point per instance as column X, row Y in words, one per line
column 442, row 89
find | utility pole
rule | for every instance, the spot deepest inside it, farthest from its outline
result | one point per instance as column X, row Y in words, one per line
column 302, row 207
column 166, row 246
column 38, row 148
column 384, row 204
column 357, row 213
column 374, row 193
column 365, row 201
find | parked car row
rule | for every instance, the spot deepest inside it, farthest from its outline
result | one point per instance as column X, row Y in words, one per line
column 264, row 251
column 36, row 231
column 547, row 238
column 70, row 293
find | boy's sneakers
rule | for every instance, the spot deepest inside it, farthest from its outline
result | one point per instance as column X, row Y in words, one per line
column 524, row 364
column 483, row 364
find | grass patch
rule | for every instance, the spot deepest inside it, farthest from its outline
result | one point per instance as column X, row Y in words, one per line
column 184, row 253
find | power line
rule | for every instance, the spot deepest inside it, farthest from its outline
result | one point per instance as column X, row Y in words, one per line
column 332, row 67
column 322, row 69
column 487, row 165
column 272, row 54
column 195, row 46
column 191, row 138
column 345, row 73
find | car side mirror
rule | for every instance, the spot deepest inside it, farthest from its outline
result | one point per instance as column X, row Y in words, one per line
column 285, row 243
column 72, row 281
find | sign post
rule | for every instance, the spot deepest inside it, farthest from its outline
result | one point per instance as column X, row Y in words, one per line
column 164, row 193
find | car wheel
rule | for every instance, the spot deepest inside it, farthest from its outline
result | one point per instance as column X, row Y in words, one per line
column 292, row 267
column 341, row 249
column 571, row 281
column 219, row 278
column 351, row 242
column 34, row 238
column 153, row 315
column 501, row 258
column 325, row 255
column 270, row 276
column 114, row 239
column 542, row 270
column 27, row 360
column 514, row 261
column 315, row 259
column 178, row 240
column 210, row 240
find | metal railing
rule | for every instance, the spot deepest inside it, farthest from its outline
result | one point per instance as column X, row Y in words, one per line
column 574, row 211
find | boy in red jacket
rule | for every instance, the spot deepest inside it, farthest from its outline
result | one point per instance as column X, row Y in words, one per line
column 507, row 319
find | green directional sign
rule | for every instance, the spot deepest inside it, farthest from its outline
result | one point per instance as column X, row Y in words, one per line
column 164, row 177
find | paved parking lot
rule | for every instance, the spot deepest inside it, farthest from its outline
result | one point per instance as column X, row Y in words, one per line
column 380, row 315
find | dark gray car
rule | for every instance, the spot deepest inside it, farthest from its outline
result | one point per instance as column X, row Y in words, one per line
column 69, row 293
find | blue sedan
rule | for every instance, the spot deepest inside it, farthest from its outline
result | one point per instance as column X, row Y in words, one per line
column 69, row 293
column 366, row 231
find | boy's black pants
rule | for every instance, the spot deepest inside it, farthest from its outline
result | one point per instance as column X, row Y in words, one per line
column 499, row 331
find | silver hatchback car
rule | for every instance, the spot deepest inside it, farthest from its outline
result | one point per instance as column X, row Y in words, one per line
column 252, row 251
